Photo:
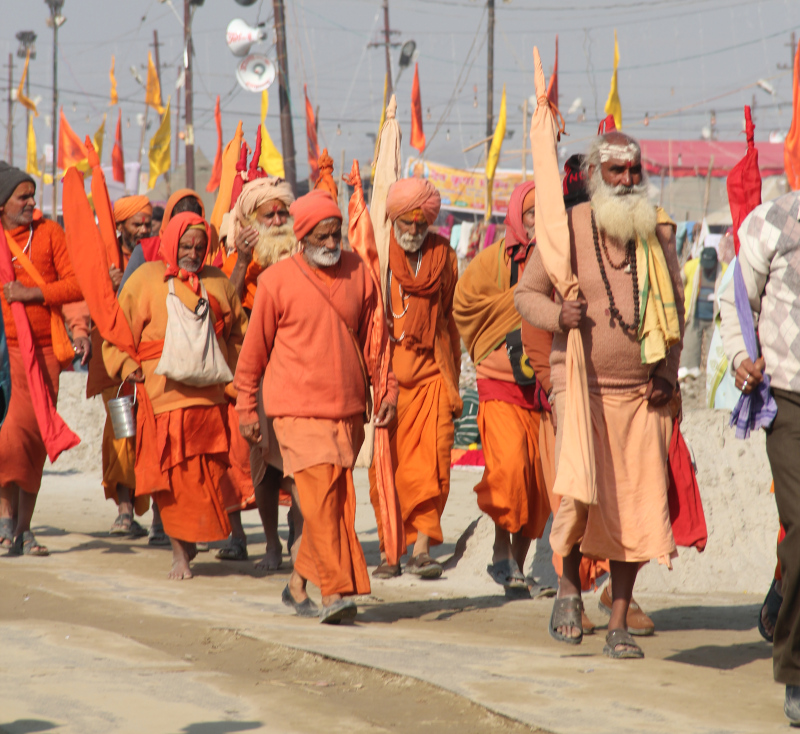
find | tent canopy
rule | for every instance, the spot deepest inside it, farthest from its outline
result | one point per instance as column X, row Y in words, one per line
column 693, row 157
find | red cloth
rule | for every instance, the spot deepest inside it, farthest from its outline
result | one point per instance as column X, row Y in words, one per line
column 607, row 125
column 106, row 217
column 311, row 138
column 71, row 150
column 515, row 232
column 685, row 506
column 169, row 248
column 417, row 135
column 216, row 171
column 117, row 156
column 744, row 181
column 509, row 392
column 791, row 145
column 309, row 210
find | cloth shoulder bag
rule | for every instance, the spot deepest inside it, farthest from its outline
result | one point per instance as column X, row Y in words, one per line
column 191, row 353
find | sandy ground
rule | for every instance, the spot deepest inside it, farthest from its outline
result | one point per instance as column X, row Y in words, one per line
column 96, row 639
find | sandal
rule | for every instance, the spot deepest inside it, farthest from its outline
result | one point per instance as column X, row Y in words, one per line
column 618, row 637
column 507, row 574
column 637, row 621
column 423, row 566
column 339, row 611
column 157, row 536
column 305, row 608
column 566, row 613
column 6, row 532
column 122, row 525
column 136, row 531
column 26, row 545
column 773, row 603
column 386, row 571
column 236, row 550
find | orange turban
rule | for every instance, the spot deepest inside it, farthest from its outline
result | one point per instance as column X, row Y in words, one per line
column 309, row 210
column 174, row 199
column 129, row 206
column 169, row 247
column 408, row 194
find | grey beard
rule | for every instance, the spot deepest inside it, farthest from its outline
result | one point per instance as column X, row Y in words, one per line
column 409, row 242
column 190, row 265
column 274, row 243
column 322, row 257
column 622, row 212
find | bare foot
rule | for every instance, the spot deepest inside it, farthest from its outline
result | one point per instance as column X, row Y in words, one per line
column 272, row 559
column 297, row 586
column 182, row 553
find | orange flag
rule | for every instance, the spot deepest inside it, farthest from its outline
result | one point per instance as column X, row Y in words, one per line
column 552, row 87
column 311, row 138
column 102, row 207
column 223, row 203
column 216, row 171
column 417, row 135
column 791, row 145
column 71, row 150
column 117, row 156
column 325, row 180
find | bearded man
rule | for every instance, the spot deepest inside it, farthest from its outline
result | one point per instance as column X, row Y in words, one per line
column 512, row 490
column 306, row 351
column 631, row 326
column 425, row 353
column 182, row 431
column 43, row 281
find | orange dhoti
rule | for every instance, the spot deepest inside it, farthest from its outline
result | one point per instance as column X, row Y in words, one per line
column 237, row 489
column 630, row 521
column 22, row 451
column 512, row 490
column 421, row 440
column 330, row 555
column 193, row 446
column 119, row 458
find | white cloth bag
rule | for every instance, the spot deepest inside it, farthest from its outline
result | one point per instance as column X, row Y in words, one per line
column 191, row 353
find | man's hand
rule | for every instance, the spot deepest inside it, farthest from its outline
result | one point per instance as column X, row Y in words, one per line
column 116, row 276
column 571, row 314
column 245, row 242
column 83, row 348
column 15, row 291
column 749, row 376
column 251, row 432
column 136, row 376
column 386, row 414
column 659, row 392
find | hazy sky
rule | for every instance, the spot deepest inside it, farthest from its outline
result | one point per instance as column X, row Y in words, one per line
column 700, row 55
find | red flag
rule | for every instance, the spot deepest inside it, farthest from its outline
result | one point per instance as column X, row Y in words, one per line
column 791, row 146
column 311, row 138
column 552, row 87
column 117, row 157
column 71, row 150
column 744, row 180
column 216, row 171
column 103, row 208
column 417, row 135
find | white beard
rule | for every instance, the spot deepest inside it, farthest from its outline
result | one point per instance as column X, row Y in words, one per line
column 622, row 212
column 408, row 241
column 189, row 264
column 322, row 257
column 275, row 243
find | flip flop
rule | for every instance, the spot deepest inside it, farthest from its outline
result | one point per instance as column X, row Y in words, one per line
column 423, row 566
column 772, row 602
column 621, row 637
column 236, row 551
column 339, row 611
column 566, row 613
column 305, row 608
column 507, row 573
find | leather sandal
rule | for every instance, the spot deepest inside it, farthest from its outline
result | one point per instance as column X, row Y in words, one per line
column 424, row 566
column 639, row 624
column 566, row 613
column 618, row 637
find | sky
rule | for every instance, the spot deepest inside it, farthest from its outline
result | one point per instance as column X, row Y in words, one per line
column 679, row 61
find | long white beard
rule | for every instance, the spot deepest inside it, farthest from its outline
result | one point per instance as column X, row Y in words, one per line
column 322, row 257
column 409, row 242
column 274, row 243
column 622, row 212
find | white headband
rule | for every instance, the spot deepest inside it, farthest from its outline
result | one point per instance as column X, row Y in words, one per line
column 628, row 152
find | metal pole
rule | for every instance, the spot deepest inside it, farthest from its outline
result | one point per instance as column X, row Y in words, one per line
column 55, row 117
column 490, row 71
column 188, row 97
column 10, row 141
column 178, row 123
column 287, row 133
column 524, row 140
column 387, row 35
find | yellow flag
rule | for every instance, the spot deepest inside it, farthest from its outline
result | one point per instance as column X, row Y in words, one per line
column 97, row 140
column 153, row 95
column 31, row 163
column 159, row 155
column 21, row 98
column 270, row 160
column 494, row 153
column 114, row 96
column 613, row 105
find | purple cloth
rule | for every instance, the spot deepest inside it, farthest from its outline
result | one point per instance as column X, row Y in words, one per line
column 490, row 232
column 758, row 409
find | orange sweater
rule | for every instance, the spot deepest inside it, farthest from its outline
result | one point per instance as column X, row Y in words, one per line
column 144, row 303
column 301, row 348
column 48, row 253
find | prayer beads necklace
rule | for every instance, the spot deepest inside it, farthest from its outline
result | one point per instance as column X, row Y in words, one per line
column 630, row 258
column 27, row 246
column 402, row 298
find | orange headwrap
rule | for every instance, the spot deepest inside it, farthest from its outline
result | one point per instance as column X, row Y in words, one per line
column 169, row 247
column 129, row 206
column 309, row 210
column 174, row 199
column 408, row 194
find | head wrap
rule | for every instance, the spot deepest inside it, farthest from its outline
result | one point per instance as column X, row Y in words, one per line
column 170, row 239
column 254, row 194
column 172, row 201
column 574, row 183
column 408, row 194
column 129, row 206
column 515, row 230
column 309, row 210
column 10, row 178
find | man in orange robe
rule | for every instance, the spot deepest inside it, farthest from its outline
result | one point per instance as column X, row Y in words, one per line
column 44, row 282
column 512, row 398
column 184, row 458
column 308, row 343
column 426, row 359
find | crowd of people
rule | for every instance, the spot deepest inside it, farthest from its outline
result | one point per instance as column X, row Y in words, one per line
column 254, row 349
